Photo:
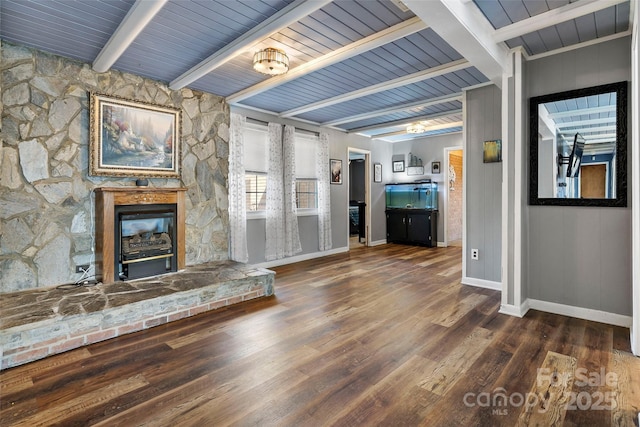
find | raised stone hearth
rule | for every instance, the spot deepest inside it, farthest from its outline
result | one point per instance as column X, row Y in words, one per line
column 41, row 322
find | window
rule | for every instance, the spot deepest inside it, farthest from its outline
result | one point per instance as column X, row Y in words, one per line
column 306, row 193
column 256, row 160
column 256, row 190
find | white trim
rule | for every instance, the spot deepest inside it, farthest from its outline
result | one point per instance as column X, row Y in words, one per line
column 578, row 45
column 506, row 164
column 635, row 183
column 391, row 110
column 441, row 244
column 138, row 17
column 551, row 17
column 418, row 76
column 481, row 283
column 299, row 258
column 466, row 30
column 378, row 242
column 518, row 185
column 465, row 177
column 251, row 215
column 375, row 40
column 478, row 86
column 307, row 212
column 512, row 310
column 581, row 313
column 293, row 12
column 405, row 122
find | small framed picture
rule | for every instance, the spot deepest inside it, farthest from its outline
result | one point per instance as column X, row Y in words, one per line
column 336, row 171
column 435, row 167
column 492, row 151
column 377, row 172
column 398, row 166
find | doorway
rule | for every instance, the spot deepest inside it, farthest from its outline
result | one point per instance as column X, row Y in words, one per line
column 593, row 181
column 453, row 189
column 359, row 214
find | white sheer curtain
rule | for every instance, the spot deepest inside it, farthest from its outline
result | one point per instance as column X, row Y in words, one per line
column 275, row 196
column 324, row 193
column 291, row 234
column 237, row 191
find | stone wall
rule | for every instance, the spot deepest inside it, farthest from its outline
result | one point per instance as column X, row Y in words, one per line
column 46, row 194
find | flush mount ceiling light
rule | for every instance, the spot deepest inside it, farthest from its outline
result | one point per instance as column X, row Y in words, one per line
column 271, row 61
column 416, row 128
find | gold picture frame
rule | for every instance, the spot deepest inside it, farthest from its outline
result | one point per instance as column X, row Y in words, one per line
column 133, row 139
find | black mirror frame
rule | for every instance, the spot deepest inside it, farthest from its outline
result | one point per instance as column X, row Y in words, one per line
column 621, row 146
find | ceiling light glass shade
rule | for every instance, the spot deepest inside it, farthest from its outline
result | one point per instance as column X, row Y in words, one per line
column 271, row 61
column 416, row 128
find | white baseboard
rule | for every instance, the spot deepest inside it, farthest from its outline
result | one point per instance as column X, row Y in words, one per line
column 514, row 310
column 298, row 258
column 481, row 283
column 581, row 313
column 441, row 245
column 378, row 242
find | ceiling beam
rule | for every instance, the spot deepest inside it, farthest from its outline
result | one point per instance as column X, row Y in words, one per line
column 430, row 73
column 552, row 17
column 407, row 121
column 133, row 23
column 582, row 123
column 584, row 111
column 282, row 19
column 464, row 28
column 381, row 38
column 426, row 129
column 392, row 110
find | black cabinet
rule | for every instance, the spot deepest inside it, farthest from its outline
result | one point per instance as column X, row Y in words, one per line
column 412, row 226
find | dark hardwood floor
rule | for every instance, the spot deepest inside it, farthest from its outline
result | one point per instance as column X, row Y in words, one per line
column 378, row 336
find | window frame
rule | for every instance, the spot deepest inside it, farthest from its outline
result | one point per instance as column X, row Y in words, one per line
column 307, row 211
column 256, row 213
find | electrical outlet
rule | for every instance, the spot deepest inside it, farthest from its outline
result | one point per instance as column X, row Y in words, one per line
column 82, row 268
column 474, row 254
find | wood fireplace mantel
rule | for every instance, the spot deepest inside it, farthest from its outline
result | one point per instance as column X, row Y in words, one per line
column 107, row 198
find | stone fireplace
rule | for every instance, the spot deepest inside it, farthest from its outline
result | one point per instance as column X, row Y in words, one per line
column 150, row 222
column 139, row 232
column 48, row 213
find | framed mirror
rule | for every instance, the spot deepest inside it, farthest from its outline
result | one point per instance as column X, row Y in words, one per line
column 578, row 147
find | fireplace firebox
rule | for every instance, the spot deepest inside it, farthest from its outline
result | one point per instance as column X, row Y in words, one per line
column 140, row 232
column 146, row 235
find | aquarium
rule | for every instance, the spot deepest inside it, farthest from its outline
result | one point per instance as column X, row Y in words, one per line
column 412, row 195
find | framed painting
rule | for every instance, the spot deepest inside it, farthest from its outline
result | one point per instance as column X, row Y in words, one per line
column 336, row 171
column 492, row 151
column 435, row 167
column 377, row 172
column 133, row 139
column 398, row 166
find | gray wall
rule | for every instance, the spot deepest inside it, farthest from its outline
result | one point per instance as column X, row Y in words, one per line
column 308, row 225
column 483, row 183
column 429, row 149
column 580, row 256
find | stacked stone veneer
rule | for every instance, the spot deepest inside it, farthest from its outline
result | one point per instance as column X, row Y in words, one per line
column 42, row 322
column 46, row 198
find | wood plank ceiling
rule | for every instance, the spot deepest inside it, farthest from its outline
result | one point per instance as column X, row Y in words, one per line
column 365, row 66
